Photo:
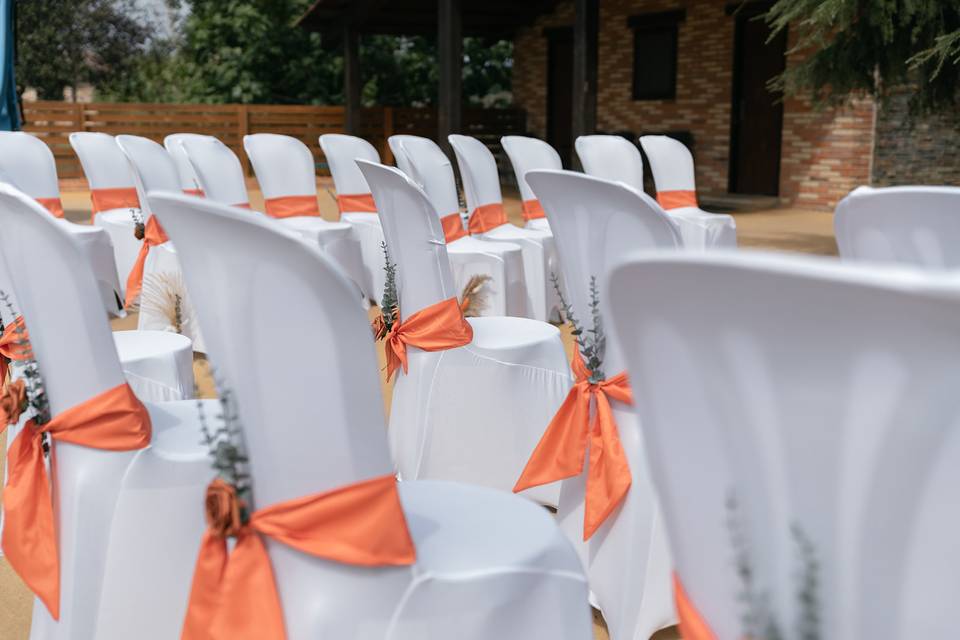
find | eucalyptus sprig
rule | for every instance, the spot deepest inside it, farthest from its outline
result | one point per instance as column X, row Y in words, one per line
column 226, row 448
column 592, row 342
column 390, row 302
column 139, row 228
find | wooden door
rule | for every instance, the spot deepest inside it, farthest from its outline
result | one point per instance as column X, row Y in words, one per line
column 757, row 116
column 560, row 92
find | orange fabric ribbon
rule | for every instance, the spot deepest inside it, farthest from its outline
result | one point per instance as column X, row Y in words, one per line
column 438, row 327
column 243, row 205
column 115, row 420
column 153, row 235
column 195, row 192
column 234, row 596
column 289, row 206
column 53, row 205
column 532, row 209
column 561, row 452
column 14, row 345
column 452, row 227
column 356, row 203
column 486, row 217
column 692, row 625
column 676, row 199
column 118, row 198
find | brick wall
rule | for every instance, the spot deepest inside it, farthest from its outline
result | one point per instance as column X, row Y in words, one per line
column 825, row 154
column 915, row 150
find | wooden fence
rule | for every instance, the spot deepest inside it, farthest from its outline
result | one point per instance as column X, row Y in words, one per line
column 55, row 121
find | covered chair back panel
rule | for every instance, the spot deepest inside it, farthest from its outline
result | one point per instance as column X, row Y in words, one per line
column 102, row 160
column 527, row 154
column 218, row 170
column 478, row 170
column 671, row 163
column 153, row 168
column 611, row 158
column 342, row 152
column 284, row 165
column 27, row 162
column 173, row 143
column 430, row 168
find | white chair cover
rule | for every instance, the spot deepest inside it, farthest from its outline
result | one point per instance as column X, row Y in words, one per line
column 595, row 223
column 27, row 164
column 616, row 158
column 481, row 186
column 106, row 168
column 429, row 167
column 820, row 398
column 189, row 181
column 153, row 168
column 101, row 493
column 909, row 225
column 488, row 565
column 285, row 167
column 525, row 155
column 472, row 414
column 218, row 170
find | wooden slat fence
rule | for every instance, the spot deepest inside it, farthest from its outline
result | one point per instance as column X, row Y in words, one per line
column 54, row 121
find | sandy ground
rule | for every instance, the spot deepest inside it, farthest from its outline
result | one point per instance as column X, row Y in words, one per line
column 781, row 230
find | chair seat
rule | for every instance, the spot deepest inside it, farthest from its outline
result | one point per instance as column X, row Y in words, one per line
column 538, row 224
column 315, row 225
column 539, row 261
column 157, row 364
column 176, row 432
column 513, row 339
column 502, row 262
column 704, row 230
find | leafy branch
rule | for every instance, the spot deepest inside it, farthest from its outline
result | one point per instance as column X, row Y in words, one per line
column 390, row 302
column 28, row 368
column 592, row 342
column 226, row 448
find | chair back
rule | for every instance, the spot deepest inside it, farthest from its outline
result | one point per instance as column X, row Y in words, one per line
column 611, row 158
column 305, row 383
column 218, row 170
column 527, row 154
column 284, row 165
column 429, row 167
column 342, row 152
column 909, row 225
column 173, row 143
column 103, row 162
column 596, row 223
column 27, row 163
column 671, row 163
column 153, row 168
column 802, row 418
column 414, row 238
column 58, row 296
column 478, row 170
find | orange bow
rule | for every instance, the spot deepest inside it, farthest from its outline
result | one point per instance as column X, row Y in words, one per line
column 195, row 192
column 561, row 452
column 116, row 198
column 692, row 625
column 486, row 217
column 53, row 205
column 438, row 327
column 676, row 199
column 115, row 420
column 532, row 209
column 153, row 235
column 452, row 227
column 234, row 595
column 290, row 206
column 356, row 203
column 14, row 345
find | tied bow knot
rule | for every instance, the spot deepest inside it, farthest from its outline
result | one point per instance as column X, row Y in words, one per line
column 13, row 402
column 153, row 235
column 14, row 345
column 585, row 416
column 438, row 327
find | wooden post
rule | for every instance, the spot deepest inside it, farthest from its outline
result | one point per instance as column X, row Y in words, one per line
column 243, row 128
column 351, row 80
column 386, row 155
column 450, row 52
column 585, row 34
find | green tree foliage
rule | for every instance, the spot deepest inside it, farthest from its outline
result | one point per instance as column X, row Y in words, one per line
column 62, row 43
column 872, row 46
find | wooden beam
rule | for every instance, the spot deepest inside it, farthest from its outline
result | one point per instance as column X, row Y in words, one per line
column 351, row 80
column 450, row 52
column 585, row 36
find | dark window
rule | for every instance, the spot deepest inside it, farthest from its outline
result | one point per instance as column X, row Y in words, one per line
column 655, row 55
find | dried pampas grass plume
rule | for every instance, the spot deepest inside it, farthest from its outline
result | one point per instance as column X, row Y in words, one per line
column 163, row 296
column 474, row 299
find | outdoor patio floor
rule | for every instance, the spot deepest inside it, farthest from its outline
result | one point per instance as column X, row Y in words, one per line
column 779, row 230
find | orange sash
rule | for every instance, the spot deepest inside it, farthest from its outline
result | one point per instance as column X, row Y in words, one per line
column 289, row 206
column 676, row 199
column 356, row 203
column 561, row 451
column 115, row 420
column 153, row 234
column 195, row 192
column 234, row 595
column 692, row 625
column 118, row 198
column 242, row 205
column 532, row 210
column 53, row 205
column 12, row 347
column 438, row 327
column 452, row 227
column 486, row 217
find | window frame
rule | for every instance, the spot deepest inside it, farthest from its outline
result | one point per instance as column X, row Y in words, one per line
column 659, row 22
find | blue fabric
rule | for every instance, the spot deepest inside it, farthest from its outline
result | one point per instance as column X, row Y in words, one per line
column 9, row 114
